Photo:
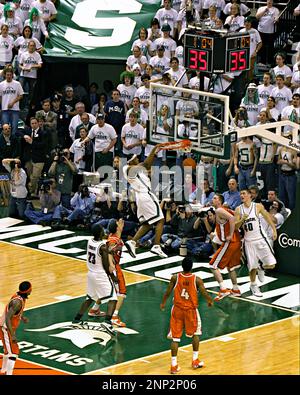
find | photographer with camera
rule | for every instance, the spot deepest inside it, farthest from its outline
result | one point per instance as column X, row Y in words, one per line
column 205, row 223
column 105, row 207
column 63, row 169
column 18, row 191
column 128, row 212
column 183, row 221
column 168, row 207
column 49, row 200
column 9, row 148
column 82, row 204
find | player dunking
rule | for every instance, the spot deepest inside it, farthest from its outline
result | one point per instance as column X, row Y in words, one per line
column 185, row 314
column 9, row 322
column 115, row 244
column 100, row 280
column 229, row 253
column 256, row 244
column 148, row 208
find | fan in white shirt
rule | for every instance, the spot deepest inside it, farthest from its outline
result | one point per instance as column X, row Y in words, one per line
column 132, row 135
column 234, row 22
column 167, row 14
column 265, row 89
column 281, row 93
column 160, row 62
column 6, row 46
column 46, row 8
column 282, row 69
column 127, row 89
column 136, row 58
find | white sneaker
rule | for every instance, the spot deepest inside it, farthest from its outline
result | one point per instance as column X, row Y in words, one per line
column 261, row 275
column 156, row 249
column 130, row 245
column 255, row 290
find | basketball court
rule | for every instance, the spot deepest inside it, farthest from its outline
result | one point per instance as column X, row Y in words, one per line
column 255, row 336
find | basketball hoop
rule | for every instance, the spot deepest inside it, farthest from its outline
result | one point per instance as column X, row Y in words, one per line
column 181, row 146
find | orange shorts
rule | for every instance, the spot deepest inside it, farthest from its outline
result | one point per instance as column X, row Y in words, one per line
column 228, row 255
column 121, row 281
column 184, row 319
column 8, row 346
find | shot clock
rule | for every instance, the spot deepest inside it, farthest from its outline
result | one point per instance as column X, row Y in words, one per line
column 211, row 53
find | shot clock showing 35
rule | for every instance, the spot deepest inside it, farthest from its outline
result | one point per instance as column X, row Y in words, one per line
column 213, row 54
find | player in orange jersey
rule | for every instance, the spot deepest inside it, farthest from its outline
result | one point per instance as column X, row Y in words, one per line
column 115, row 245
column 9, row 322
column 229, row 253
column 185, row 312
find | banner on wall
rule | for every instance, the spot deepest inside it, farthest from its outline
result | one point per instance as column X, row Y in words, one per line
column 287, row 246
column 98, row 29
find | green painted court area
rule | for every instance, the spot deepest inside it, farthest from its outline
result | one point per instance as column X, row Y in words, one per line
column 55, row 343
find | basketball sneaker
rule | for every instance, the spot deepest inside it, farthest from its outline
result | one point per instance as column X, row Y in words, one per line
column 96, row 313
column 235, row 292
column 130, row 245
column 256, row 291
column 222, row 294
column 174, row 369
column 116, row 321
column 196, row 364
column 108, row 328
column 156, row 249
column 261, row 275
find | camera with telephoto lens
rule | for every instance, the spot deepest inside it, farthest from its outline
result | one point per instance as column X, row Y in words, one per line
column 45, row 185
column 13, row 164
column 168, row 204
column 84, row 191
column 59, row 152
column 201, row 214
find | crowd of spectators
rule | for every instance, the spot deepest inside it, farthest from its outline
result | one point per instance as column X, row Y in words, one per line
column 44, row 157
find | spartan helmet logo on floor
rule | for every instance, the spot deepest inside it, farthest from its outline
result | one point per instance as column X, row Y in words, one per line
column 82, row 335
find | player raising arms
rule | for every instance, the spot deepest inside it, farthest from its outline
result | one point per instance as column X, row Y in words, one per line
column 9, row 322
column 148, row 208
column 185, row 312
column 256, row 244
column 229, row 253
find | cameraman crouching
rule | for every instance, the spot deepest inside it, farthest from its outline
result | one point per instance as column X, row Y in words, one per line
column 183, row 221
column 49, row 200
column 18, row 191
column 63, row 169
column 205, row 224
column 82, row 204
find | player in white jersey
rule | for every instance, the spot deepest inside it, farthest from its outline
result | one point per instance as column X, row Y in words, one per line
column 148, row 208
column 100, row 279
column 256, row 245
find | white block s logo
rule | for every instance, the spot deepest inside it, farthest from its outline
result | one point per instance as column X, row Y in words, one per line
column 85, row 17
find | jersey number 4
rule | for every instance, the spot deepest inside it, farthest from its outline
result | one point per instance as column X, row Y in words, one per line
column 92, row 258
column 184, row 294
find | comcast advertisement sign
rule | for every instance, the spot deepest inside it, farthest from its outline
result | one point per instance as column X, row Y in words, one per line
column 287, row 246
column 285, row 241
column 98, row 29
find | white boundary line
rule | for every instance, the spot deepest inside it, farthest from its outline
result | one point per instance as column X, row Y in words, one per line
column 189, row 345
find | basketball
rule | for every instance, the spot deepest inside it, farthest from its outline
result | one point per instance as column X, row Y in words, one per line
column 189, row 162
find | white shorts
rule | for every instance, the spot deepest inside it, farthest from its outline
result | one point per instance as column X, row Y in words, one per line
column 258, row 250
column 100, row 286
column 148, row 208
